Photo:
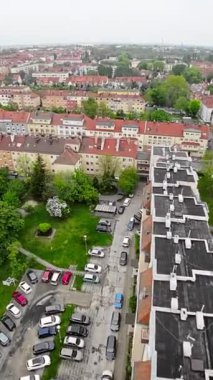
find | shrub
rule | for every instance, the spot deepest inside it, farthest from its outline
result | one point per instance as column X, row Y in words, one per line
column 57, row 208
column 133, row 303
column 44, row 227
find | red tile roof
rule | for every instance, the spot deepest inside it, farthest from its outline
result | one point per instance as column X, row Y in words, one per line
column 92, row 145
column 207, row 101
column 144, row 302
column 15, row 117
column 84, row 79
column 142, row 370
column 68, row 157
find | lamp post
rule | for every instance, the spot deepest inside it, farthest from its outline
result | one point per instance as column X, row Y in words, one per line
column 85, row 241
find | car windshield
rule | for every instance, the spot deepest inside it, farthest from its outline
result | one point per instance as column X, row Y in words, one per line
column 38, row 361
column 74, row 353
column 78, row 341
column 3, row 337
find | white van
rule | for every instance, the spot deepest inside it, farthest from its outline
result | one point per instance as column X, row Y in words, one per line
column 55, row 278
column 92, row 278
column 126, row 202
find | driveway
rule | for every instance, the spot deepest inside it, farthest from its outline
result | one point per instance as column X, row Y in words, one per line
column 114, row 279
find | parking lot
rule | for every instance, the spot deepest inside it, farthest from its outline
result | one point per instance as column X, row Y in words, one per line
column 96, row 300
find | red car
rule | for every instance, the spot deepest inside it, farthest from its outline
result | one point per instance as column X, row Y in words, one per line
column 66, row 278
column 20, row 298
column 46, row 276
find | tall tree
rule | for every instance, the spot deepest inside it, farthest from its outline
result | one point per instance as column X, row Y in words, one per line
column 192, row 75
column 38, row 179
column 178, row 69
column 90, row 107
column 128, row 180
column 4, row 180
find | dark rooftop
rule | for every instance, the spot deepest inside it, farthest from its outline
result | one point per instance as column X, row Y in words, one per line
column 163, row 162
column 162, row 151
column 171, row 332
column 196, row 228
column 188, row 207
column 143, row 156
column 197, row 257
column 186, row 191
column 182, row 175
column 191, row 295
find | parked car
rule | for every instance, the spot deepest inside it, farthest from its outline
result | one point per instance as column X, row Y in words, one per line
column 72, row 354
column 126, row 202
column 126, row 242
column 107, row 375
column 80, row 318
column 38, row 362
column 77, row 330
column 13, row 310
column 43, row 347
column 55, row 278
column 32, row 276
column 98, row 252
column 44, row 332
column 121, row 209
column 115, row 321
column 52, row 320
column 20, row 298
column 8, row 323
column 46, row 276
column 138, row 216
column 131, row 224
column 119, row 298
column 30, row 377
column 111, row 347
column 4, row 340
column 74, row 341
column 91, row 278
column 54, row 309
column 66, row 277
column 104, row 222
column 101, row 228
column 25, row 287
column 94, row 268
column 123, row 258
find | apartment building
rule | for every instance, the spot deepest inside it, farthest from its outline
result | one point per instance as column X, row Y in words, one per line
column 206, row 110
column 85, row 80
column 190, row 138
column 57, row 99
column 60, row 75
column 23, row 97
column 173, row 323
column 15, row 123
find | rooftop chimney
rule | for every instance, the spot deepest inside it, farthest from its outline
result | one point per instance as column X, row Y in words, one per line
column 117, row 145
column 102, row 143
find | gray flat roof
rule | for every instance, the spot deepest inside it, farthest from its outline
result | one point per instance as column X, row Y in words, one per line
column 196, row 228
column 199, row 256
column 182, row 175
column 159, row 151
column 186, row 191
column 106, row 208
column 186, row 208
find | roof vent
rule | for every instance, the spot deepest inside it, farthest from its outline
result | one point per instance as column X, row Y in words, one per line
column 168, row 175
column 167, row 156
column 174, row 303
column 165, row 192
column 176, row 239
column 177, row 258
column 172, row 207
column 173, row 281
column 168, row 220
column 175, row 169
column 183, row 314
column 164, row 184
column 169, row 235
column 200, row 320
column 188, row 243
column 187, row 349
column 171, row 196
column 180, row 198
column 173, row 157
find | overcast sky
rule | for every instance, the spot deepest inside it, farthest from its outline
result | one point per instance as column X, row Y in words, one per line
column 93, row 21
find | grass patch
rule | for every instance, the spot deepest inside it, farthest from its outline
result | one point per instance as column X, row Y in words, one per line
column 137, row 245
column 51, row 371
column 78, row 282
column 68, row 245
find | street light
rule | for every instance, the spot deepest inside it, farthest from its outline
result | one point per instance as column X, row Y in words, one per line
column 85, row 240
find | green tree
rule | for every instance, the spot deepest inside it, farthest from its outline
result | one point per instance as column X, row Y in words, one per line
column 178, row 69
column 90, row 107
column 159, row 115
column 175, row 87
column 156, row 95
column 4, row 180
column 109, row 167
column 17, row 265
column 158, row 66
column 105, row 70
column 143, row 65
column 182, row 104
column 24, row 165
column 128, row 180
column 38, row 179
column 192, row 75
column 210, row 88
column 194, row 106
column 10, row 227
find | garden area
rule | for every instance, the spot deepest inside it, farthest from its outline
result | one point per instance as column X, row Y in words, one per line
column 68, row 246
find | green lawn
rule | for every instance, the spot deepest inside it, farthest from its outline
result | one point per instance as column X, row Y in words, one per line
column 51, row 371
column 68, row 245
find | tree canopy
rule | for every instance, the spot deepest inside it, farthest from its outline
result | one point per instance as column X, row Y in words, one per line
column 38, row 179
column 128, row 180
column 192, row 75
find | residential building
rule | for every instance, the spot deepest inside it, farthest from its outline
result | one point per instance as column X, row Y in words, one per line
column 206, row 110
column 22, row 96
column 172, row 332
